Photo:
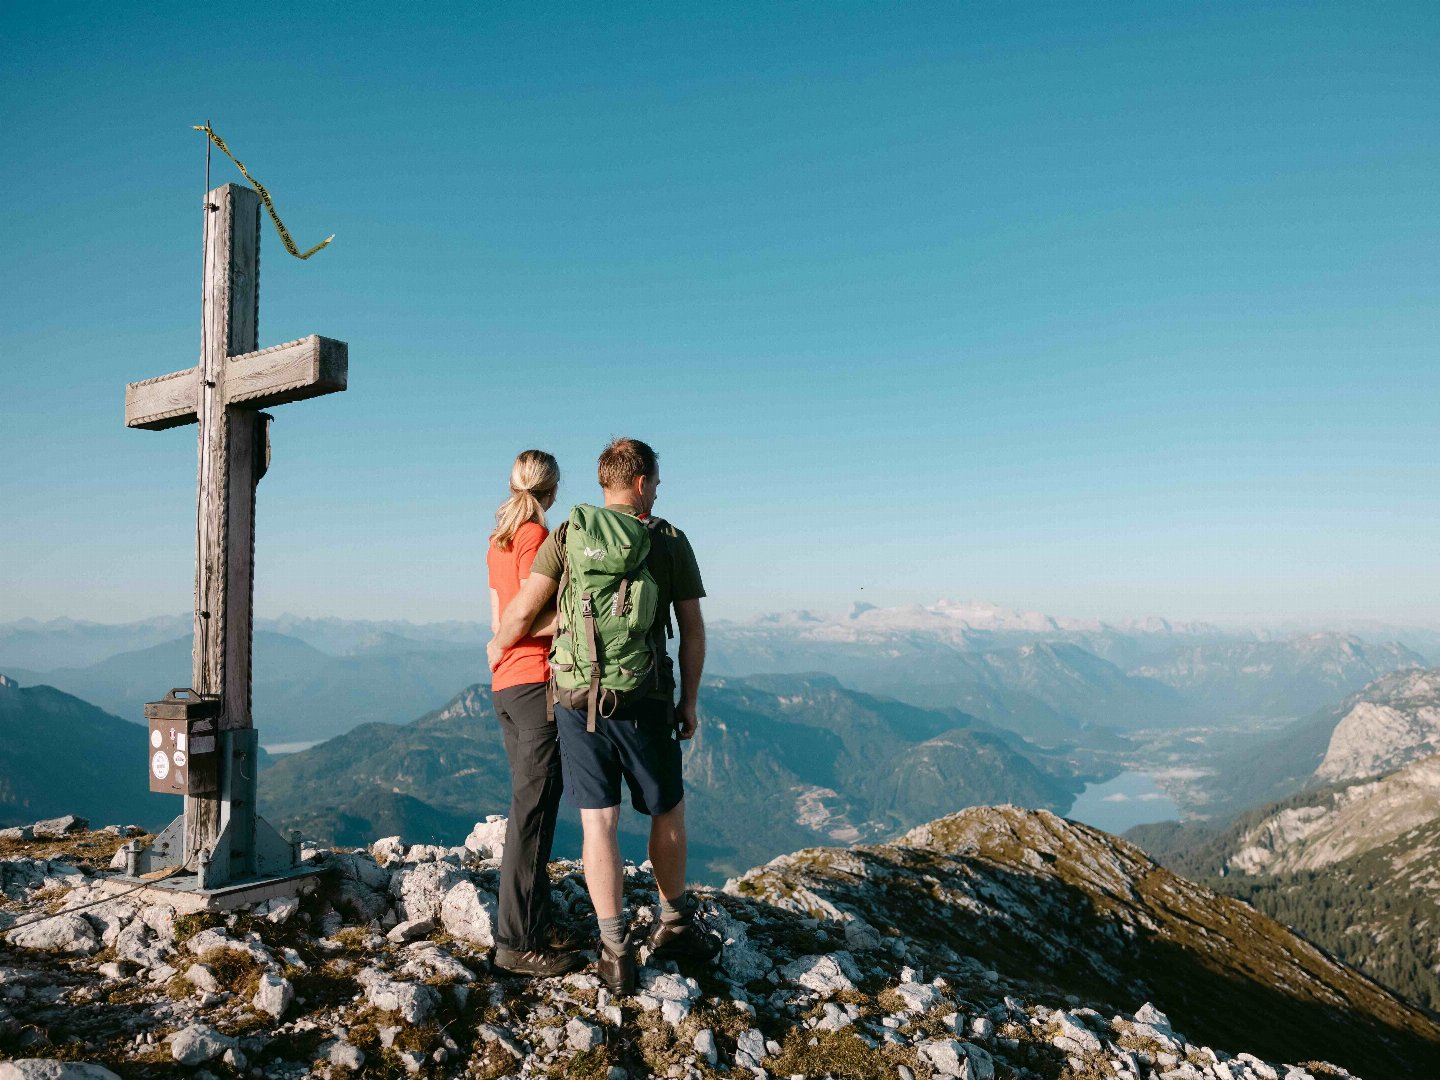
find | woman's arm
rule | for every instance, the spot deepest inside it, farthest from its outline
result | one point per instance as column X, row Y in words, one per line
column 494, row 612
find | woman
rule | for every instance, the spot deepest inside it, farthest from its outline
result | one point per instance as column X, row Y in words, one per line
column 522, row 939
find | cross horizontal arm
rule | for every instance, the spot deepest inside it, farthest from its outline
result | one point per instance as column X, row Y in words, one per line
column 163, row 402
column 297, row 370
column 294, row 371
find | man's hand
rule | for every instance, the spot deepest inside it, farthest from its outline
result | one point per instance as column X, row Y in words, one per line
column 688, row 721
column 692, row 663
column 493, row 654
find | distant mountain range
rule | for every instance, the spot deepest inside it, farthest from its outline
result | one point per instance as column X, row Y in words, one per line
column 778, row 762
column 1079, row 677
column 300, row 693
column 1054, row 680
column 61, row 755
column 1277, row 678
column 72, row 643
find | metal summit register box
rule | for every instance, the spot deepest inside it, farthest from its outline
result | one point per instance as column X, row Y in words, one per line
column 183, row 742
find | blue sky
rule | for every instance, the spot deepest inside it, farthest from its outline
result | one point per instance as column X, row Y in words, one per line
column 1102, row 309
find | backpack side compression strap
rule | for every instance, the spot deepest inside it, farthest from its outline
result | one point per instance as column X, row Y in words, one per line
column 559, row 611
column 592, row 699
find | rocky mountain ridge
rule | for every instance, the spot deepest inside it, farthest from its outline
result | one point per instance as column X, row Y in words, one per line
column 1338, row 823
column 1393, row 721
column 995, row 944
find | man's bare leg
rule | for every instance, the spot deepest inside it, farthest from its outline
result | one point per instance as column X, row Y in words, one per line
column 667, row 851
column 601, row 856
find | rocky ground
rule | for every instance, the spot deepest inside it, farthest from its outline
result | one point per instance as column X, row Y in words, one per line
column 847, row 963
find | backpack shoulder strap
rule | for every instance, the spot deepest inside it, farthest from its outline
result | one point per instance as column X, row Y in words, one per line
column 561, row 532
column 661, row 527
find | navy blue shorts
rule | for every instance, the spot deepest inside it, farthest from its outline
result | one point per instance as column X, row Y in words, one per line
column 637, row 743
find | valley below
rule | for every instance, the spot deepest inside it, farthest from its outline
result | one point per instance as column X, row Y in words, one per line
column 1225, row 758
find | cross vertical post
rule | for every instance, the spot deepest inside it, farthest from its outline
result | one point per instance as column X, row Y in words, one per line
column 231, row 441
column 219, row 836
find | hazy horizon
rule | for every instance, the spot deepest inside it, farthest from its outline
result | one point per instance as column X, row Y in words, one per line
column 1335, row 621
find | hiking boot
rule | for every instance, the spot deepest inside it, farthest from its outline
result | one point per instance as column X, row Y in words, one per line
column 617, row 970
column 561, row 939
column 685, row 938
column 540, row 963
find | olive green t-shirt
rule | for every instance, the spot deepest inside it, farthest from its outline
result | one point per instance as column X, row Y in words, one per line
column 671, row 563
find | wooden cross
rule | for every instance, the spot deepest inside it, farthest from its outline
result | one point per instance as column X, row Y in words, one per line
column 224, row 393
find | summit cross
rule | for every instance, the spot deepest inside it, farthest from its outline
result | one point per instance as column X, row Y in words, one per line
column 224, row 394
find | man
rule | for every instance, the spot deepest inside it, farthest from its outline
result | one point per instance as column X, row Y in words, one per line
column 639, row 740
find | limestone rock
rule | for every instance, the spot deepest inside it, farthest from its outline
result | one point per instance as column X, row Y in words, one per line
column 214, row 938
column 945, row 1055
column 197, row 1044
column 1074, row 1036
column 64, row 933
column 203, row 978
column 581, row 1036
column 860, row 936
column 161, row 919
column 469, row 914
column 57, row 828
column 422, row 888
column 750, row 1048
column 422, row 853
column 487, row 839
column 704, row 1044
column 342, row 1055
column 981, row 1064
column 141, row 945
column 278, row 910
column 490, row 1033
column 415, row 1004
column 428, row 961
column 1391, row 723
column 46, row 1069
column 1149, row 1014
column 274, row 995
column 18, row 832
column 411, row 930
column 360, row 867
column 823, row 974
column 388, row 851
column 741, row 960
column 918, row 997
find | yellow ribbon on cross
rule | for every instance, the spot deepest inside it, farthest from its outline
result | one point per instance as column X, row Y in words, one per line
column 264, row 197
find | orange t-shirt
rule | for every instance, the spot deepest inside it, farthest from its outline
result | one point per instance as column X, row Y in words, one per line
column 528, row 660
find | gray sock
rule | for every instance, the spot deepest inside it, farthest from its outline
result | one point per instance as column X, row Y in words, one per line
column 677, row 909
column 612, row 932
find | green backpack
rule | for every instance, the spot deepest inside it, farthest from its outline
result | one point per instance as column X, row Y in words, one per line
column 604, row 653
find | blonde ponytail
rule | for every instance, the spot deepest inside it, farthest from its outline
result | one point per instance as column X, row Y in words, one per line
column 534, row 476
